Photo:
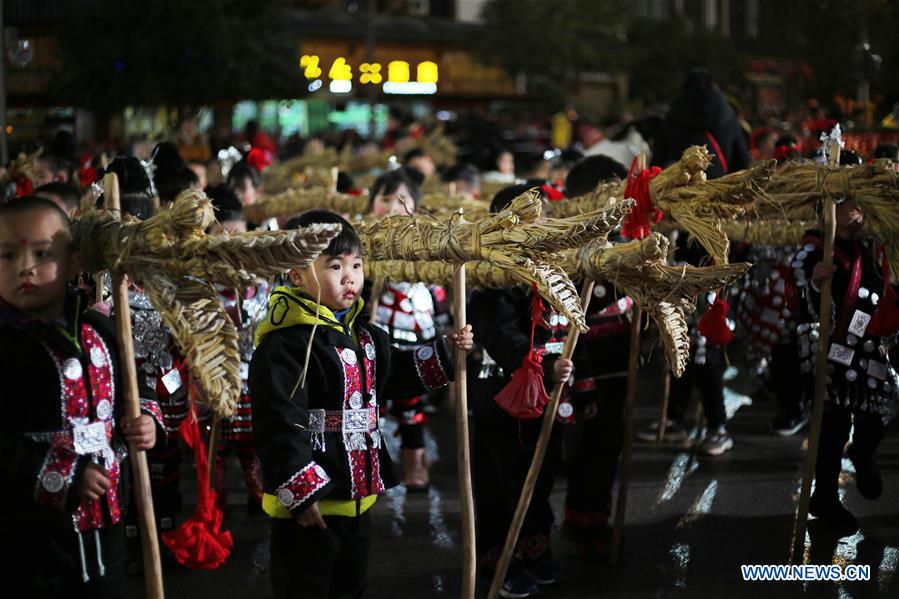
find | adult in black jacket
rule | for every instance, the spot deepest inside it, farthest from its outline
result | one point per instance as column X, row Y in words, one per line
column 700, row 115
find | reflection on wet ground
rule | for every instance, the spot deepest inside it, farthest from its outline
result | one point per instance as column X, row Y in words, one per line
column 691, row 522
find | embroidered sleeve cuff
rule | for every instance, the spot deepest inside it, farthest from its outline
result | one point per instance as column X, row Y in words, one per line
column 55, row 478
column 302, row 486
column 151, row 408
column 430, row 365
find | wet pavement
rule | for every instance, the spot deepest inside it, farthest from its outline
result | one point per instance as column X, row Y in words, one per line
column 691, row 522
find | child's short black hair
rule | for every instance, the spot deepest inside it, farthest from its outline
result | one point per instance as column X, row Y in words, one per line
column 587, row 174
column 241, row 172
column 346, row 242
column 504, row 196
column 466, row 173
column 345, row 182
column 413, row 154
column 66, row 192
column 134, row 187
column 890, row 151
column 171, row 184
column 56, row 163
column 389, row 182
column 35, row 204
column 225, row 202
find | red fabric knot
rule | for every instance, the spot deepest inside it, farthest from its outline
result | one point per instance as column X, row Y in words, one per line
column 525, row 395
column 713, row 324
column 885, row 321
column 553, row 194
column 643, row 215
column 259, row 159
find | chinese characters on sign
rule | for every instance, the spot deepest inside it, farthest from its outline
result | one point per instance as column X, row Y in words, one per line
column 399, row 76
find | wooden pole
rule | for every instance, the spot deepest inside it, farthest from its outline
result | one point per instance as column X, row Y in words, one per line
column 633, row 366
column 213, row 447
column 527, row 491
column 141, row 472
column 466, row 495
column 811, row 454
column 624, row 478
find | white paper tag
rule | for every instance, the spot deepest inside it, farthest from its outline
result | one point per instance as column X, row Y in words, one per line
column 840, row 354
column 89, row 438
column 555, row 347
column 877, row 369
column 244, row 371
column 172, row 380
column 859, row 323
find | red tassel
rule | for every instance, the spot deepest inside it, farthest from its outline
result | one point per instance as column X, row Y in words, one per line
column 525, row 396
column 643, row 215
column 713, row 324
column 199, row 543
column 885, row 320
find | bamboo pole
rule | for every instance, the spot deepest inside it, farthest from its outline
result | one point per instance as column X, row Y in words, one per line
column 530, row 482
column 633, row 366
column 624, row 477
column 666, row 368
column 141, row 472
column 811, row 455
column 466, row 495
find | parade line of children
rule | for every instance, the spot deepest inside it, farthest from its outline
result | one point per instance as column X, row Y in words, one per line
column 319, row 372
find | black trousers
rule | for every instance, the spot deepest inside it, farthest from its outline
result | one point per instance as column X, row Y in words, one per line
column 835, row 426
column 709, row 379
column 592, row 449
column 787, row 379
column 44, row 561
column 502, row 449
column 313, row 563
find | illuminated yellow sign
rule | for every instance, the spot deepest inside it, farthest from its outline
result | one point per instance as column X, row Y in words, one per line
column 309, row 64
column 399, row 79
column 370, row 73
column 427, row 72
column 340, row 70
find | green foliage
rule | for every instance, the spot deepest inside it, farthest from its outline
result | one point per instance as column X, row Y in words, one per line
column 175, row 52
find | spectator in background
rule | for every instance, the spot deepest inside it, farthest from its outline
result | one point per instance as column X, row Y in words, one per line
column 888, row 151
column 466, row 179
column 64, row 195
column 199, row 169
column 700, row 115
column 244, row 180
column 505, row 169
column 51, row 167
column 192, row 145
column 421, row 161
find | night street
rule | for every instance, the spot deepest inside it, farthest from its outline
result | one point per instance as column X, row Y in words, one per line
column 691, row 522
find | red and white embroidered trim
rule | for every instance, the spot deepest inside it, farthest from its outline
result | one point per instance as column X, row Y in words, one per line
column 430, row 369
column 151, row 408
column 302, row 486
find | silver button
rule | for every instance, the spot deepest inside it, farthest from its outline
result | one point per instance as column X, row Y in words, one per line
column 370, row 351
column 104, row 409
column 348, row 355
column 425, row 352
column 98, row 358
column 71, row 369
column 53, row 482
column 356, row 400
column 285, row 496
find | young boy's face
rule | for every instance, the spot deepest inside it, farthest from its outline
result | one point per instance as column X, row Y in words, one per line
column 850, row 220
column 340, row 279
column 36, row 262
column 398, row 203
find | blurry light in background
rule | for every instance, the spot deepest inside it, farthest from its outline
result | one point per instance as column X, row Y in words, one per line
column 444, row 115
column 315, row 85
column 340, row 86
column 410, row 88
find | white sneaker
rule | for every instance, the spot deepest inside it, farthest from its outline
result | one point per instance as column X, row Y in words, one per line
column 716, row 443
